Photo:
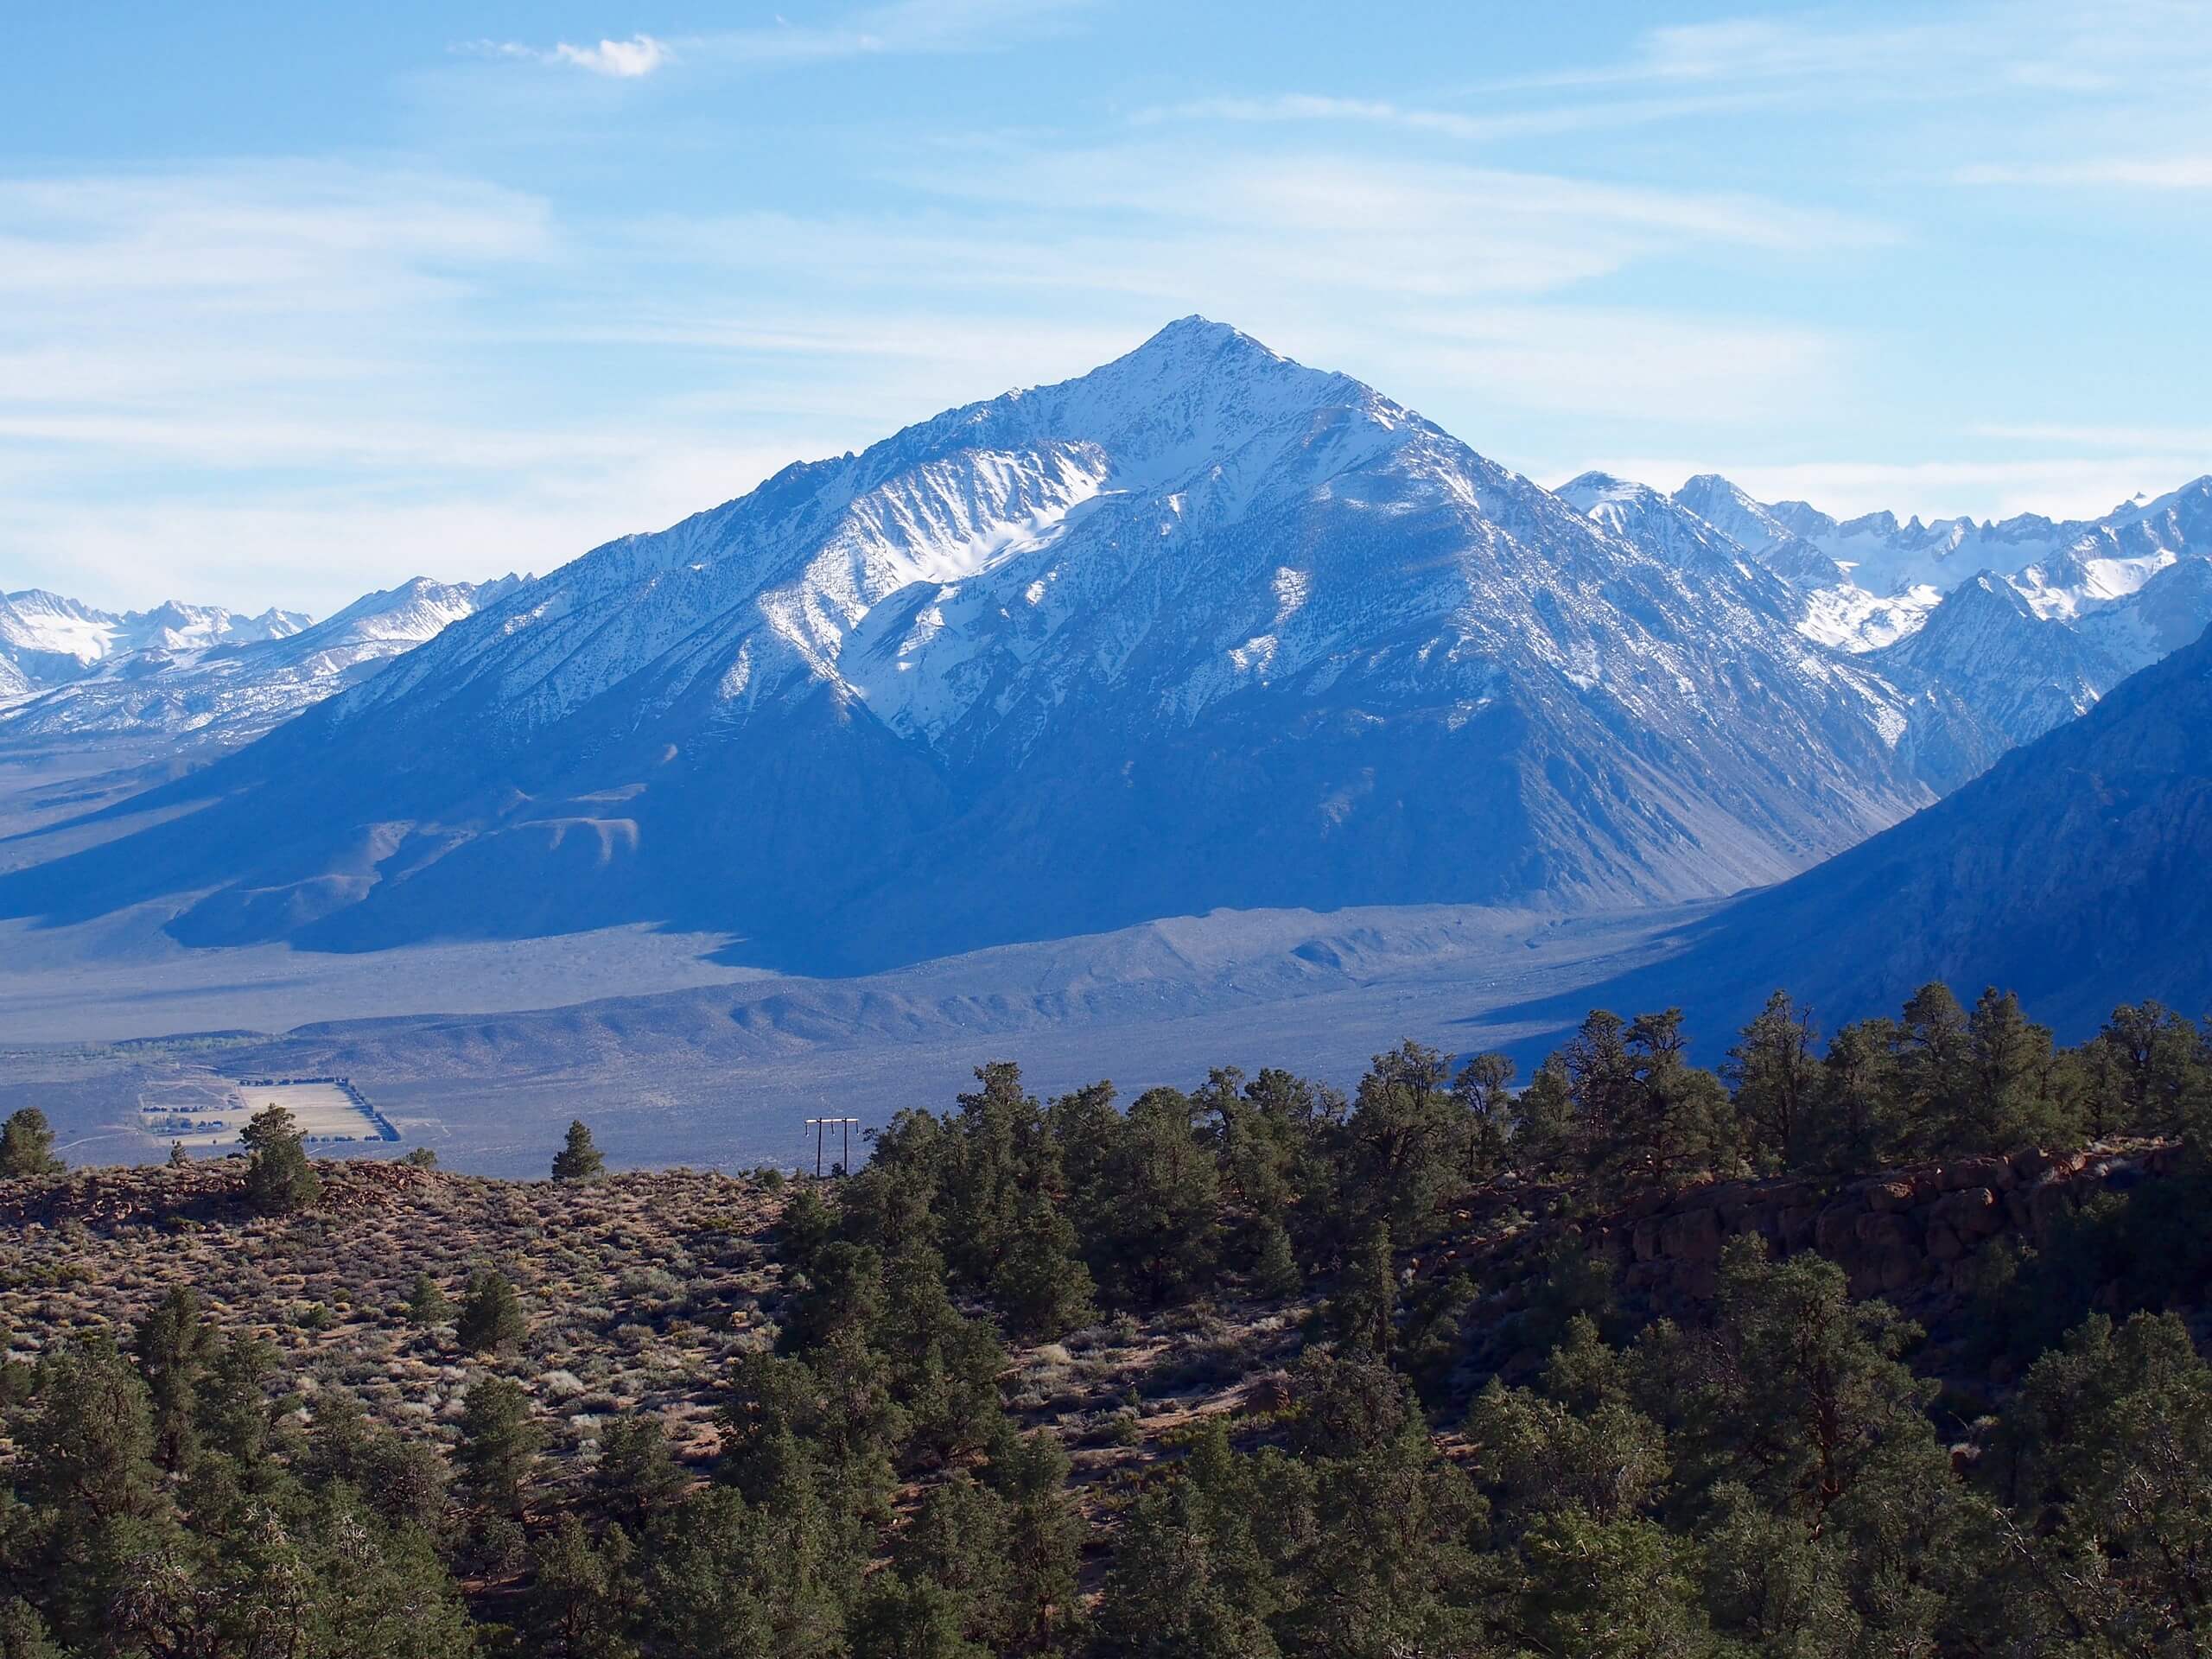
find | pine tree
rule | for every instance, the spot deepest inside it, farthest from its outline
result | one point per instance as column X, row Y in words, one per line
column 574, row 1608
column 1045, row 1535
column 1152, row 1207
column 1274, row 1267
column 27, row 1146
column 957, row 1542
column 1178, row 1591
column 908, row 1618
column 84, row 1466
column 172, row 1347
column 23, row 1634
column 1402, row 1143
column 1775, row 1076
column 1363, row 1310
column 235, row 1415
column 491, row 1314
column 1544, row 1129
column 1935, row 1068
column 1862, row 1116
column 636, row 1477
column 2108, row 1448
column 2013, row 1100
column 579, row 1159
column 499, row 1443
column 1484, row 1091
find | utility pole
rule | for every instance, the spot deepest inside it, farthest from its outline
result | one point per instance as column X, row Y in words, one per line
column 820, row 1128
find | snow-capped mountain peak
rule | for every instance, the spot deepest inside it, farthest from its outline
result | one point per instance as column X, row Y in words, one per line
column 1205, row 626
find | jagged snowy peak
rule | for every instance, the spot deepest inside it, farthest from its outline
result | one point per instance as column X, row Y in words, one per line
column 1884, row 556
column 1871, row 586
column 1204, row 627
column 38, row 627
column 245, row 676
column 1758, row 531
column 2021, row 673
column 2058, row 566
column 1734, row 513
column 1640, row 515
column 764, row 595
column 48, row 638
column 2117, row 556
column 2173, row 608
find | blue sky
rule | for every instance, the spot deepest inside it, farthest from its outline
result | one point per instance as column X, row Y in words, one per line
column 297, row 301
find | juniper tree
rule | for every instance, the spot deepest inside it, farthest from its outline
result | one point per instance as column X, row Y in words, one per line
column 27, row 1145
column 426, row 1302
column 491, row 1314
column 279, row 1179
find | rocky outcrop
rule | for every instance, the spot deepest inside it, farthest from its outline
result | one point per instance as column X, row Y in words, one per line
column 1897, row 1234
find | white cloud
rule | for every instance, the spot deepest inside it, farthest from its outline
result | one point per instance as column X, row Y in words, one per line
column 903, row 26
column 629, row 59
column 253, row 345
column 2167, row 440
column 319, row 547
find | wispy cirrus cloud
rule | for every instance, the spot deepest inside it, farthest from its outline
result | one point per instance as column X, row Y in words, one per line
column 2122, row 172
column 1586, row 115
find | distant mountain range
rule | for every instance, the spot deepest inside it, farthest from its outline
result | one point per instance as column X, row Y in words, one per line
column 183, row 671
column 1993, row 633
column 46, row 638
column 1202, row 628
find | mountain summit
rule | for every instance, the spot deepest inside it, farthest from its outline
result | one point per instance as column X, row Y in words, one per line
column 1203, row 627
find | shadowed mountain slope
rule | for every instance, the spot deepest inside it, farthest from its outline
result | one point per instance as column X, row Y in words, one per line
column 2077, row 871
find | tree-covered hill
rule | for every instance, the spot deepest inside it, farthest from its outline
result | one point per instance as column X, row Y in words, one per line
column 1885, row 1342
